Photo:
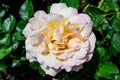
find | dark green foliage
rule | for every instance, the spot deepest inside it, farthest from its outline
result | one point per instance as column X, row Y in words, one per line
column 71, row 3
column 26, row 10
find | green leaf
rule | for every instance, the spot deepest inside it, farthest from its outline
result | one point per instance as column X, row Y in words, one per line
column 83, row 1
column 36, row 66
column 93, row 11
column 99, row 43
column 112, row 51
column 4, row 52
column 101, row 51
column 117, row 77
column 21, row 25
column 5, row 40
column 96, row 77
column 0, row 23
column 41, row 72
column 15, row 45
column 26, row 10
column 98, row 20
column 105, row 58
column 115, row 22
column 107, row 69
column 1, row 30
column 71, row 3
column 103, row 6
column 110, row 34
column 15, row 62
column 116, row 41
column 2, row 12
column 113, row 5
column 2, row 67
column 9, row 24
column 48, row 9
column 105, row 25
column 18, row 36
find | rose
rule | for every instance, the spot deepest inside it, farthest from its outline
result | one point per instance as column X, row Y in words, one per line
column 62, row 39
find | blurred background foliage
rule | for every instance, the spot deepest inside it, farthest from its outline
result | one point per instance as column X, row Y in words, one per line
column 105, row 64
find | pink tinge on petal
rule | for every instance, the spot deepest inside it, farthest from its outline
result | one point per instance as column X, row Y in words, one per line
column 50, row 71
column 40, row 58
column 85, row 20
column 80, row 54
column 43, row 48
column 41, row 17
column 30, row 58
column 51, row 61
column 67, row 68
column 56, row 34
column 27, row 30
column 31, row 49
column 74, row 43
column 82, row 19
column 83, row 51
column 54, row 17
column 37, row 36
column 57, row 7
column 74, row 62
column 77, row 68
column 86, row 31
column 68, row 12
column 89, row 56
column 92, row 40
column 36, row 39
column 76, row 19
column 66, row 54
column 35, row 25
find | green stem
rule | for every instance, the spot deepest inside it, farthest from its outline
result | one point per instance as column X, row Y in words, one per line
column 112, row 13
column 85, row 7
column 100, row 3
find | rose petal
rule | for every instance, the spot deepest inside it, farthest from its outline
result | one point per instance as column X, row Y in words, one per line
column 37, row 36
column 67, row 68
column 49, row 70
column 32, row 50
column 77, row 68
column 68, row 12
column 54, row 17
column 82, row 19
column 83, row 51
column 86, row 31
column 43, row 48
column 85, row 19
column 92, row 40
column 30, row 58
column 35, row 25
column 56, row 34
column 74, row 62
column 27, row 30
column 89, row 56
column 66, row 54
column 50, row 60
column 41, row 17
column 57, row 7
column 40, row 58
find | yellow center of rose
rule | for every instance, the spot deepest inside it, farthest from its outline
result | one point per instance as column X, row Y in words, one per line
column 61, row 37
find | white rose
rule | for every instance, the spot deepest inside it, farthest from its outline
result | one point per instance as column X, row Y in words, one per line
column 62, row 39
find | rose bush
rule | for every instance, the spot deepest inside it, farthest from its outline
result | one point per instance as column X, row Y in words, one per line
column 62, row 39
